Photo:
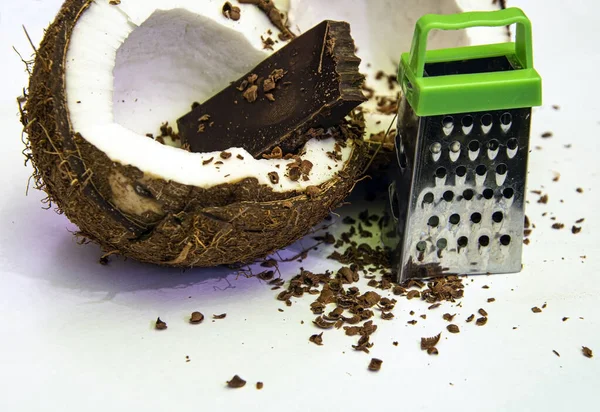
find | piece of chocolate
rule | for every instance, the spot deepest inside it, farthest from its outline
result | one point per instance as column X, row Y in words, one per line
column 312, row 82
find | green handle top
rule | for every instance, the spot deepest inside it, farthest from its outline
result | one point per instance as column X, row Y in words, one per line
column 523, row 43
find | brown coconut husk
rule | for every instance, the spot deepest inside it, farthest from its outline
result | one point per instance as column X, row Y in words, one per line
column 145, row 217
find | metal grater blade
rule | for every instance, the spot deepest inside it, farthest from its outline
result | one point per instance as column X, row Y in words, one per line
column 458, row 196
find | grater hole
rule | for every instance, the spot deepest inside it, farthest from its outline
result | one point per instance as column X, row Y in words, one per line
column 467, row 121
column 441, row 172
column 508, row 193
column 435, row 148
column 497, row 217
column 462, row 241
column 442, row 243
column 468, row 194
column 447, row 125
column 461, row 171
column 448, row 196
column 421, row 246
column 455, row 147
column 454, row 219
column 484, row 240
column 467, row 124
column 428, row 198
column 501, row 169
column 486, row 120
column 476, row 217
column 433, row 221
column 505, row 122
column 480, row 170
column 493, row 145
column 505, row 240
column 512, row 143
column 474, row 145
column 488, row 193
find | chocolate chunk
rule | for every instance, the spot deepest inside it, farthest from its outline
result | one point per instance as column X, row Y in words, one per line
column 324, row 87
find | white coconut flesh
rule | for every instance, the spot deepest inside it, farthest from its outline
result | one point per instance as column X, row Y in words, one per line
column 133, row 66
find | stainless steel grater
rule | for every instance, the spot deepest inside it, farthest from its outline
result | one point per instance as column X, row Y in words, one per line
column 458, row 191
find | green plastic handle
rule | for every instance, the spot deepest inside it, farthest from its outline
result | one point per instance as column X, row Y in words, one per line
column 428, row 22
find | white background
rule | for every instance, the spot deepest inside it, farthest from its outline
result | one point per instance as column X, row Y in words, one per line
column 77, row 336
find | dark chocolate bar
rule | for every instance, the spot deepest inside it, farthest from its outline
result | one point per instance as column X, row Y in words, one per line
column 311, row 82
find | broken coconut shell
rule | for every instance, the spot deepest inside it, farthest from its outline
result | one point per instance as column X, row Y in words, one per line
column 142, row 215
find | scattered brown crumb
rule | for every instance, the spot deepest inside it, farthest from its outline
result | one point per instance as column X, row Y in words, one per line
column 470, row 318
column 317, row 339
column 236, row 382
column 587, row 352
column 452, row 328
column 575, row 229
column 428, row 343
column 546, row 135
column 395, row 343
column 268, row 43
column 434, row 306
column 543, row 199
column 274, row 177
column 482, row 312
column 579, row 190
column 580, row 220
column 558, row 226
column 387, row 315
column 490, row 300
column 565, row 319
column 259, row 385
column 114, row 2
column 556, row 353
column 481, row 321
column 485, row 287
column 412, row 322
column 225, row 155
column 221, row 316
column 205, row 162
column 526, row 241
column 160, row 325
column 544, row 306
column 196, row 317
column 556, row 177
column 535, row 309
column 375, row 364
column 240, row 157
column 251, row 93
column 556, row 107
column 231, row 12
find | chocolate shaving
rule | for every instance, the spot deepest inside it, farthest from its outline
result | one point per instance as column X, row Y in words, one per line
column 196, row 317
column 160, row 325
column 275, row 16
column 428, row 343
column 452, row 328
column 221, row 316
column 236, row 382
column 375, row 364
column 481, row 321
column 317, row 339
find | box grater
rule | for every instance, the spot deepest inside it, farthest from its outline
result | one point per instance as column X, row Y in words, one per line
column 458, row 192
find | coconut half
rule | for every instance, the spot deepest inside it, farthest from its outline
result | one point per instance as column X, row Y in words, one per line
column 109, row 73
